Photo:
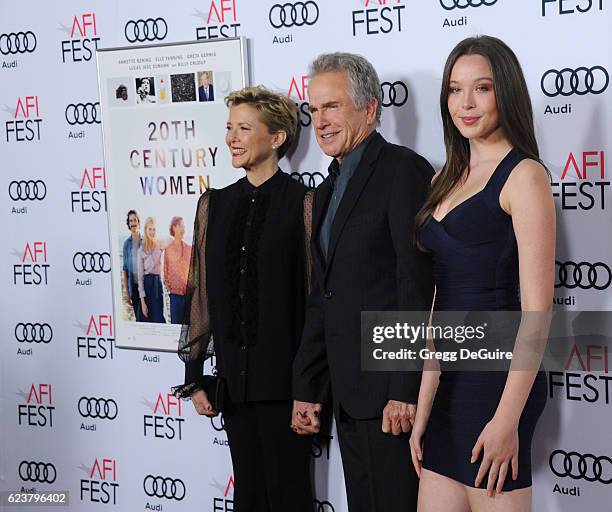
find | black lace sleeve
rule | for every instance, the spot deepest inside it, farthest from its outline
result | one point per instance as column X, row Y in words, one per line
column 195, row 343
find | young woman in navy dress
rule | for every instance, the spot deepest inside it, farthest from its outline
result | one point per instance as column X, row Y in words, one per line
column 489, row 224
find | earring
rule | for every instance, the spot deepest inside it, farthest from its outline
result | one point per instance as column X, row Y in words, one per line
column 273, row 147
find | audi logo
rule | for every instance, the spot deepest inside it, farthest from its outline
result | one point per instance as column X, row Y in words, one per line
column 92, row 262
column 20, row 42
column 29, row 190
column 164, row 487
column 577, row 466
column 310, row 179
column 583, row 275
column 101, row 408
column 297, row 14
column 33, row 333
column 42, row 472
column 83, row 113
column 221, row 423
column 449, row 5
column 146, row 30
column 580, row 81
column 394, row 94
column 323, row 506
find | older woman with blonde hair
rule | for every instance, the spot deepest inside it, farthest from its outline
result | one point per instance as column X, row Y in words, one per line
column 247, row 289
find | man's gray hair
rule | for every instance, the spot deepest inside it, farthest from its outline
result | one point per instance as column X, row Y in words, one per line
column 365, row 84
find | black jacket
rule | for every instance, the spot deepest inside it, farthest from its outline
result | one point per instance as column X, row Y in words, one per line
column 373, row 265
column 255, row 286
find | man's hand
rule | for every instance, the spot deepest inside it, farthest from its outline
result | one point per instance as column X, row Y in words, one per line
column 398, row 417
column 305, row 418
column 200, row 401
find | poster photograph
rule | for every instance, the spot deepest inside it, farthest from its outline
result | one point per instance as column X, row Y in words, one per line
column 163, row 123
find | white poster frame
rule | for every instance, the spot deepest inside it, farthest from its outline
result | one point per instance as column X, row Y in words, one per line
column 224, row 60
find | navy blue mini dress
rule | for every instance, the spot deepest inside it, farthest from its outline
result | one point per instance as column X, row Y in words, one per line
column 476, row 268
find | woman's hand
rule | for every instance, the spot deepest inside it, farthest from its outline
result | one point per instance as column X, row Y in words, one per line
column 145, row 309
column 499, row 443
column 201, row 403
column 416, row 442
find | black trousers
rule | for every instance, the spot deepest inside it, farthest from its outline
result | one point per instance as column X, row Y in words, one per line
column 271, row 462
column 378, row 469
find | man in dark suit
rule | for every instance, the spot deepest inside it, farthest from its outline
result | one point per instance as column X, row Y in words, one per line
column 206, row 91
column 364, row 259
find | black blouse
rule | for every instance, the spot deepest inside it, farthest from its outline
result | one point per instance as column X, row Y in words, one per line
column 248, row 284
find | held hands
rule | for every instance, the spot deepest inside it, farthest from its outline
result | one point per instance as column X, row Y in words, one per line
column 398, row 417
column 500, row 445
column 305, row 418
column 201, row 403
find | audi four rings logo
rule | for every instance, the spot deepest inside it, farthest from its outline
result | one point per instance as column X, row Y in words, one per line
column 164, row 487
column 309, row 179
column 20, row 42
column 323, row 506
column 577, row 466
column 221, row 426
column 583, row 275
column 33, row 333
column 580, row 81
column 449, row 5
column 83, row 113
column 295, row 14
column 29, row 190
column 394, row 94
column 92, row 262
column 101, row 408
column 42, row 472
column 146, row 30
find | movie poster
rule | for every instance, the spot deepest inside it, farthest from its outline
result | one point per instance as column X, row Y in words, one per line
column 163, row 121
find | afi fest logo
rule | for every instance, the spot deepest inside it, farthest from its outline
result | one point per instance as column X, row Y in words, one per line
column 101, row 484
column 37, row 411
column 97, row 343
column 165, row 422
column 378, row 17
column 586, row 378
column 560, row 7
column 33, row 268
column 219, row 20
column 83, row 39
column 25, row 125
column 583, row 184
column 224, row 500
column 297, row 90
column 91, row 194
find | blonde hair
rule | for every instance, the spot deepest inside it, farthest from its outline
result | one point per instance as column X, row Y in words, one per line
column 277, row 111
column 148, row 243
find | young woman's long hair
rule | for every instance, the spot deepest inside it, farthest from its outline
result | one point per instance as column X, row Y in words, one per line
column 148, row 243
column 513, row 107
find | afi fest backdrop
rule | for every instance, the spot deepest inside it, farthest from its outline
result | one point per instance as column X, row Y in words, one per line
column 78, row 413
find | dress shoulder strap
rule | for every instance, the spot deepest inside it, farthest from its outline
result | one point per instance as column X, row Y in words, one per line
column 502, row 172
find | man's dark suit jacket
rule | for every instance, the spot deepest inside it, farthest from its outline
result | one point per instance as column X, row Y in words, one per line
column 373, row 264
column 210, row 93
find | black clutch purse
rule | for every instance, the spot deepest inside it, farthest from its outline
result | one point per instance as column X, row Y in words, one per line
column 216, row 390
